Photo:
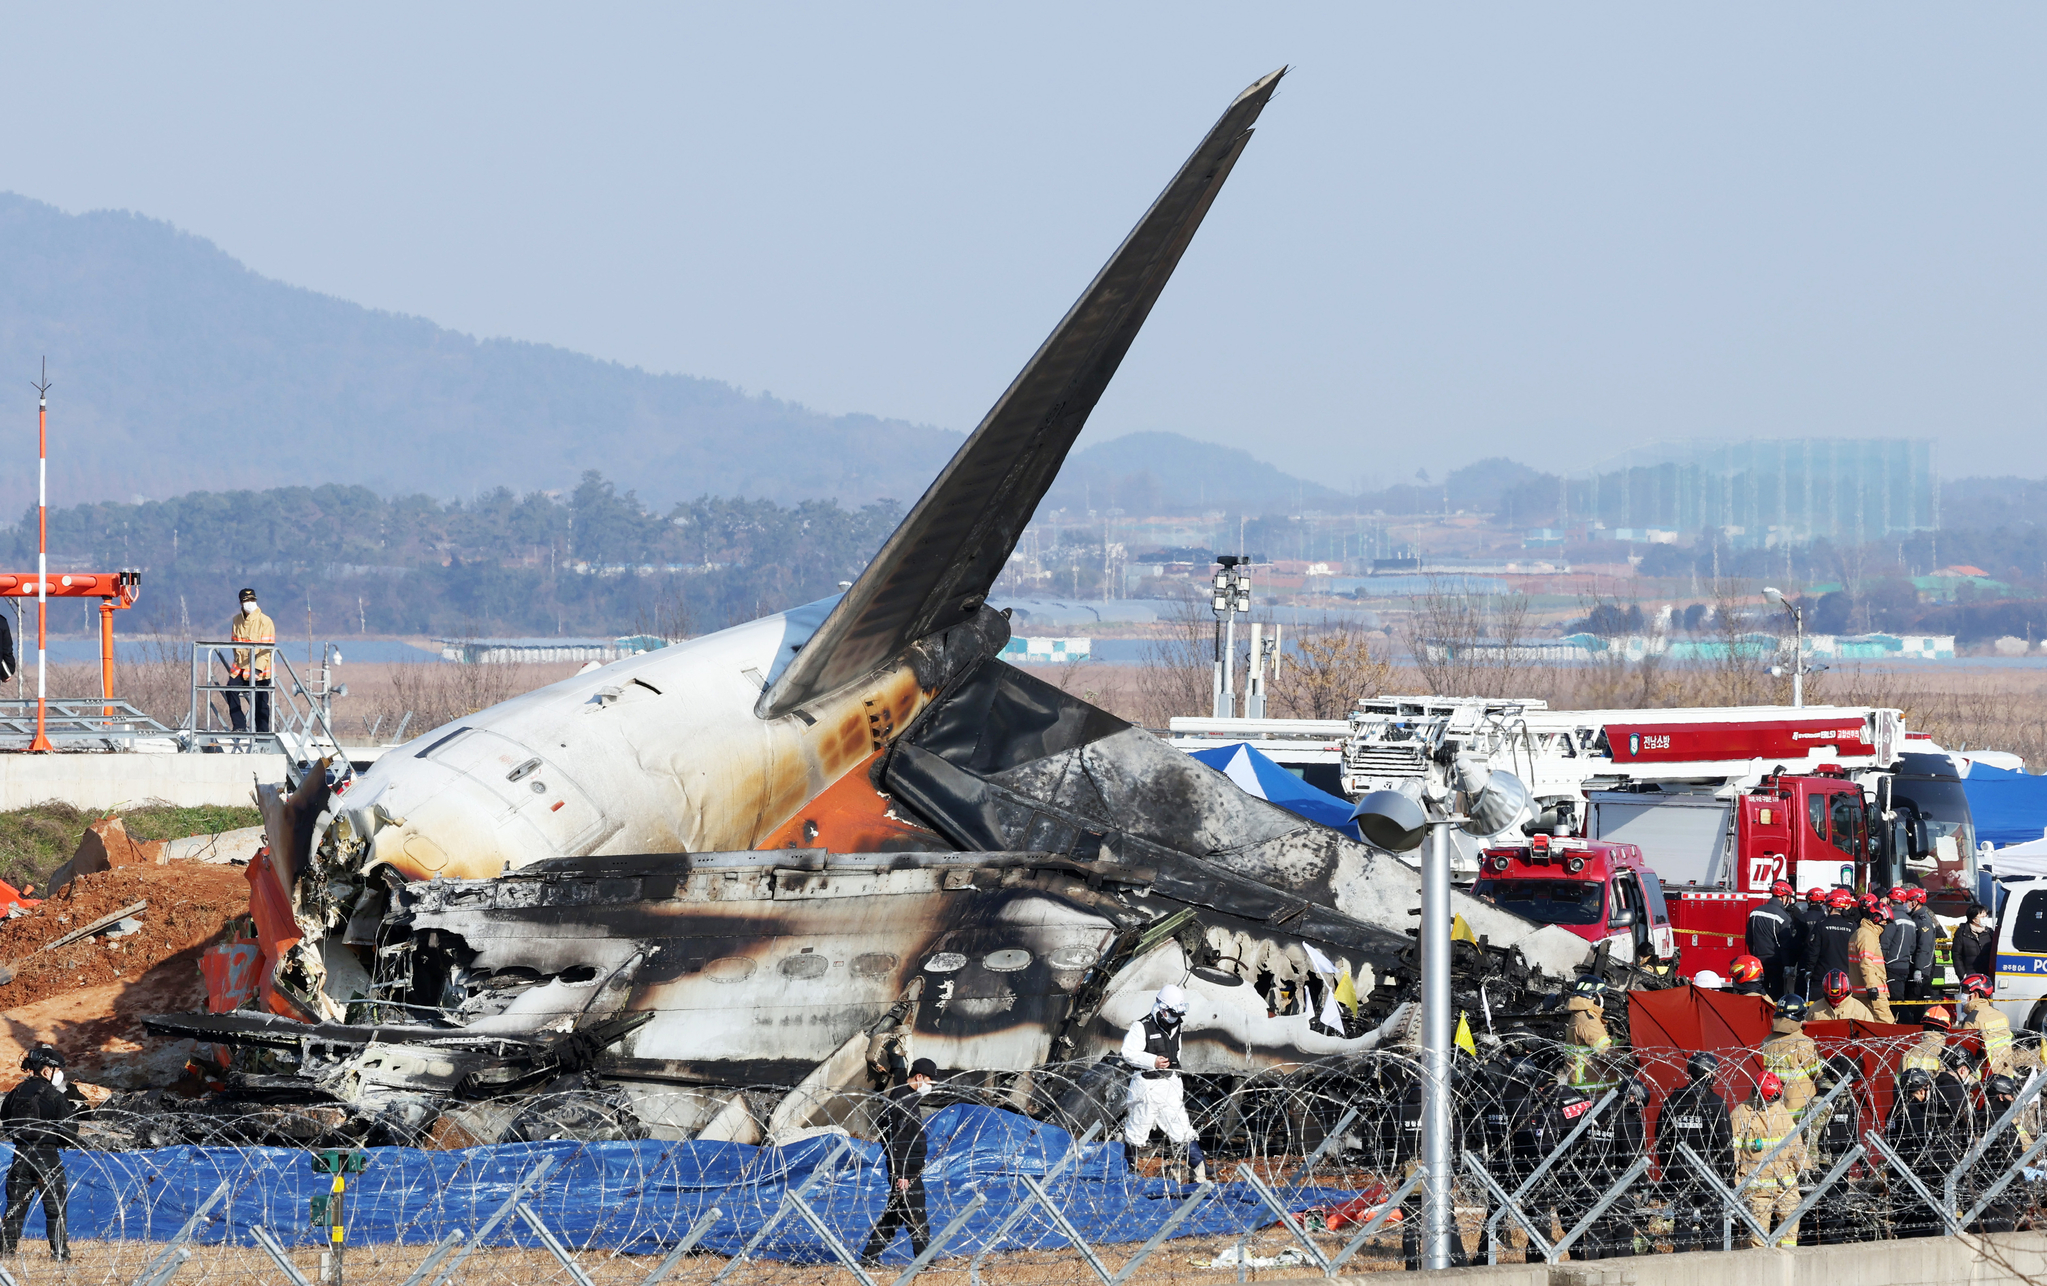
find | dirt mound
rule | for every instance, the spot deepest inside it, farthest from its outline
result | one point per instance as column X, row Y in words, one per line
column 189, row 905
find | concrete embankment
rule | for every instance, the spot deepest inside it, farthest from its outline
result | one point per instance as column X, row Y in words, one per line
column 2017, row 1259
column 111, row 782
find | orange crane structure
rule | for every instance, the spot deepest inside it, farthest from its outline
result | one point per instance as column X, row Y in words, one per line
column 114, row 590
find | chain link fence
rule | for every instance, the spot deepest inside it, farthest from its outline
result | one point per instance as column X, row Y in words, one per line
column 1311, row 1169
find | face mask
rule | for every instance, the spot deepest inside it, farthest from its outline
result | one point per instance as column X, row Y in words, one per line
column 57, row 1078
column 248, row 609
column 924, row 1089
column 1170, row 1018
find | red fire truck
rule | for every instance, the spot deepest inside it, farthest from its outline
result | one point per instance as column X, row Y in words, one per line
column 1698, row 863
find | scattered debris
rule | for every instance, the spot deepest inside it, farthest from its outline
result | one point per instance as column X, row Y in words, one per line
column 107, row 921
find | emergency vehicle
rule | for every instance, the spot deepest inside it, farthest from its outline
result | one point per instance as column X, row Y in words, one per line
column 1700, row 862
column 1603, row 892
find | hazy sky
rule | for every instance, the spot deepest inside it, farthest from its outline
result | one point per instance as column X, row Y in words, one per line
column 1544, row 231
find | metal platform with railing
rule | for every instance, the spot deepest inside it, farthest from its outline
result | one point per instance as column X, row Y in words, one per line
column 300, row 715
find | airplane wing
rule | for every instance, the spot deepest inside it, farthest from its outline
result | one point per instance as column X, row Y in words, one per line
column 935, row 570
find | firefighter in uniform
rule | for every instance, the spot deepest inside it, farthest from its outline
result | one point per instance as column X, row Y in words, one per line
column 1586, row 1043
column 1811, row 914
column 1929, row 938
column 1841, row 1004
column 1900, row 942
column 1925, row 1055
column 1695, row 1116
column 36, row 1115
column 1866, row 959
column 1994, row 1026
column 1151, row 1049
column 1746, row 973
column 1917, row 1134
column 1774, row 937
column 1760, row 1124
column 1834, row 1219
column 1832, row 936
column 1998, row 1157
column 1791, row 1055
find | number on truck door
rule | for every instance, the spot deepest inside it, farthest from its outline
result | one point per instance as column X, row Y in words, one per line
column 1762, row 870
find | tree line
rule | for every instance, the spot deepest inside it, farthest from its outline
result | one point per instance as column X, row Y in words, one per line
column 593, row 562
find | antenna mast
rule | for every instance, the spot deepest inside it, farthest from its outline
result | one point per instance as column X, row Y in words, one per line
column 42, row 740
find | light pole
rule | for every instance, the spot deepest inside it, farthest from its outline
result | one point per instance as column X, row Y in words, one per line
column 1397, row 823
column 1776, row 596
column 1232, row 595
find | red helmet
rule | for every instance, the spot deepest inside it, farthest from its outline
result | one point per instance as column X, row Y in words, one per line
column 1840, row 899
column 1916, row 893
column 1782, row 889
column 1746, row 969
column 1938, row 1016
column 1835, row 986
column 1816, row 895
column 1977, row 985
column 1899, row 894
column 1875, row 907
column 1768, row 1085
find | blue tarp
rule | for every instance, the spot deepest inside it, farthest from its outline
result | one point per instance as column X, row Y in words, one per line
column 2008, row 807
column 640, row 1197
column 1260, row 776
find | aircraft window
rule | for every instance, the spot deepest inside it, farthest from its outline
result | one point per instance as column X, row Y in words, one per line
column 1071, row 958
column 2029, row 927
column 1006, row 961
column 1816, row 813
column 729, row 969
column 807, row 965
column 945, row 962
column 874, row 964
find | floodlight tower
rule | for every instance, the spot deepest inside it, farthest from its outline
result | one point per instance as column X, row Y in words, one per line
column 42, row 738
column 1399, row 823
column 1231, row 596
column 1776, row 596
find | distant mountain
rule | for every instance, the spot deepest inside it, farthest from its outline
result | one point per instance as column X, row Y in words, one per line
column 178, row 369
column 1148, row 473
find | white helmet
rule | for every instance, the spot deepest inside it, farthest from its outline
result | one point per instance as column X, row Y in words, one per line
column 1171, row 1001
column 1708, row 979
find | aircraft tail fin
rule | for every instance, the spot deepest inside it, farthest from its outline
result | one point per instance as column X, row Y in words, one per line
column 935, row 570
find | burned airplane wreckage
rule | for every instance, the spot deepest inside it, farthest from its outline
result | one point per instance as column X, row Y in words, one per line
column 752, row 858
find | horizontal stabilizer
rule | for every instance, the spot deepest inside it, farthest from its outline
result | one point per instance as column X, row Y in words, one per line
column 935, row 571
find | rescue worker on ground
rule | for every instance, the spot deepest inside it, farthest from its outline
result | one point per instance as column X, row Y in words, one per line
column 1900, row 943
column 1586, row 1043
column 1811, row 914
column 1983, row 1017
column 252, row 667
column 1834, row 1219
column 1866, row 959
column 902, row 1138
column 1745, row 973
column 1611, row 1144
column 1695, row 1117
column 1925, row 1054
column 1557, row 1111
column 1774, row 937
column 1833, row 936
column 1790, row 1053
column 1955, row 1086
column 1916, row 1133
column 1528, row 1125
column 1999, row 1156
column 1841, row 1004
column 1929, row 938
column 36, row 1116
column 1760, row 1125
column 1499, row 1094
column 1151, row 1049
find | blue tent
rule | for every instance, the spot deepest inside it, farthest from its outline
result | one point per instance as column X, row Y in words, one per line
column 1260, row 776
column 2008, row 807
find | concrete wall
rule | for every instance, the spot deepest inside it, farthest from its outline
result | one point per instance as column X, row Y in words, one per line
column 102, row 782
column 2018, row 1258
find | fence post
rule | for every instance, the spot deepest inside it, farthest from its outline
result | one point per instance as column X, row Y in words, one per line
column 2033, row 1086
column 1022, row 1208
column 442, row 1249
column 782, row 1211
column 442, row 1276
column 1332, row 1136
column 1945, row 1213
column 938, row 1243
column 1173, row 1220
column 1535, row 1176
column 683, row 1247
column 1612, row 1195
column 274, row 1250
column 175, row 1254
column 1378, row 1221
column 1729, row 1197
column 1065, row 1225
column 1286, row 1217
column 553, row 1244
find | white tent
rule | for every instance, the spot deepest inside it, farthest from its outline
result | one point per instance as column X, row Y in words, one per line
column 2029, row 858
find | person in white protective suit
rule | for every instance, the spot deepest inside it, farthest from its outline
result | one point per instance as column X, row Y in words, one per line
column 1152, row 1049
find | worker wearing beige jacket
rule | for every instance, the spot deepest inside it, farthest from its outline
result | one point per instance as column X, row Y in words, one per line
column 1759, row 1126
column 252, row 667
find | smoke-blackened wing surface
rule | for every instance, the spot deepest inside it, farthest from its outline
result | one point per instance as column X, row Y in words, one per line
column 937, row 567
